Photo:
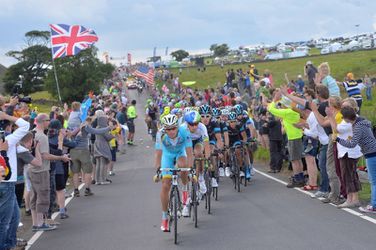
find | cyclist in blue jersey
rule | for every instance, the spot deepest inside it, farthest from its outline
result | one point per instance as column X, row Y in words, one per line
column 173, row 145
column 200, row 142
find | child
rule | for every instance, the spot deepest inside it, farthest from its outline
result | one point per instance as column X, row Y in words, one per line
column 113, row 144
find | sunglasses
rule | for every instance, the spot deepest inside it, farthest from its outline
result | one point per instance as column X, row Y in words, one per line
column 233, row 121
column 46, row 120
column 193, row 124
column 205, row 116
column 170, row 129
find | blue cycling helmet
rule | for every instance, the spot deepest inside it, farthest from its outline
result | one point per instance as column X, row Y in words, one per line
column 238, row 109
column 232, row 116
column 205, row 109
column 216, row 112
column 192, row 117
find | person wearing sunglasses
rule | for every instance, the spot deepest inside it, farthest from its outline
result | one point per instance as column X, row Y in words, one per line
column 237, row 135
column 200, row 142
column 214, row 132
column 173, row 144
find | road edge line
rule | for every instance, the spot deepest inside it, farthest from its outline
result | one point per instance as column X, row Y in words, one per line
column 348, row 210
column 36, row 236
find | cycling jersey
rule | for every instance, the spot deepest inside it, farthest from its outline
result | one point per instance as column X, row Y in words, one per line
column 213, row 128
column 234, row 134
column 201, row 133
column 172, row 149
column 223, row 126
column 245, row 122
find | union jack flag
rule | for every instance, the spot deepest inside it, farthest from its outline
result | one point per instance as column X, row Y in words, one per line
column 145, row 73
column 69, row 40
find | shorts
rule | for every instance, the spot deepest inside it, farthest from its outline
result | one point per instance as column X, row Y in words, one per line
column 169, row 160
column 60, row 182
column 131, row 127
column 315, row 146
column 198, row 141
column 236, row 143
column 295, row 148
column 113, row 154
column 40, row 191
column 81, row 161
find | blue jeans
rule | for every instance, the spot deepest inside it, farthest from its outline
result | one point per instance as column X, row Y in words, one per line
column 371, row 167
column 324, row 186
column 9, row 215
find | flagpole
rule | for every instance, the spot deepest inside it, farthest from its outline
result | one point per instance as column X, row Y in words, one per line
column 54, row 66
column 57, row 82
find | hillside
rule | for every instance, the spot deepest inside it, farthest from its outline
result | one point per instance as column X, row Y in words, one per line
column 358, row 62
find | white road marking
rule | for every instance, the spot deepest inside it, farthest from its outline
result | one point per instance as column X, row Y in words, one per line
column 36, row 236
column 350, row 211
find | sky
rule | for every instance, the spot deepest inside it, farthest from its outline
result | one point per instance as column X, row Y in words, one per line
column 136, row 27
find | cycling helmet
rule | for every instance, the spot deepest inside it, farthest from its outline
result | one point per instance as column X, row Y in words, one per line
column 225, row 112
column 187, row 109
column 192, row 117
column 205, row 109
column 238, row 109
column 245, row 113
column 169, row 121
column 216, row 112
column 232, row 116
column 178, row 105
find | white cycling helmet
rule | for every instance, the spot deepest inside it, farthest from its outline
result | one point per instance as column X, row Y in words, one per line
column 169, row 121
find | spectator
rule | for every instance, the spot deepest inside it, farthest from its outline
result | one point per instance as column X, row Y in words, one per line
column 9, row 211
column 275, row 144
column 323, row 77
column 299, row 84
column 102, row 152
column 294, row 135
column 40, row 177
column 74, row 120
column 57, row 140
column 369, row 84
column 352, row 88
column 131, row 115
column 362, row 136
column 310, row 72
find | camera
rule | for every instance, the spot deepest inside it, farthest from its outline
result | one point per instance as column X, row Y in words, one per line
column 25, row 99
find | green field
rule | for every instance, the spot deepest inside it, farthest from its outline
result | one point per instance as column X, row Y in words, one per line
column 359, row 62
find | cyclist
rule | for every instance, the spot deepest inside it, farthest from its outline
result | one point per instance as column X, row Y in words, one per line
column 236, row 135
column 200, row 142
column 151, row 117
column 214, row 132
column 223, row 119
column 248, row 125
column 173, row 144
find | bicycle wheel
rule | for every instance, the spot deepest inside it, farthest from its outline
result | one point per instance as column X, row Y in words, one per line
column 194, row 202
column 208, row 192
column 175, row 214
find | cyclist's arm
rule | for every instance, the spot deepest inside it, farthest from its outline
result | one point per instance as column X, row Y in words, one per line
column 158, row 157
column 244, row 136
column 219, row 140
column 227, row 139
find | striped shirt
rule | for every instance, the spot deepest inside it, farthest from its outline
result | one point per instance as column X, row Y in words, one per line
column 362, row 136
column 353, row 89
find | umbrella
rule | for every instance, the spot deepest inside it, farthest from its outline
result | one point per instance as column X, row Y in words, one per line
column 188, row 83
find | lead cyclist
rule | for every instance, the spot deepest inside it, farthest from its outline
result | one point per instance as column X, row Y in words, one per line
column 173, row 144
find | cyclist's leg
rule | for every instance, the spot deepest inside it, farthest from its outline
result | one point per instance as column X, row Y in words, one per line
column 198, row 151
column 167, row 161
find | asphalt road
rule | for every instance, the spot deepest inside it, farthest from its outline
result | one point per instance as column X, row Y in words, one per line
column 265, row 215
